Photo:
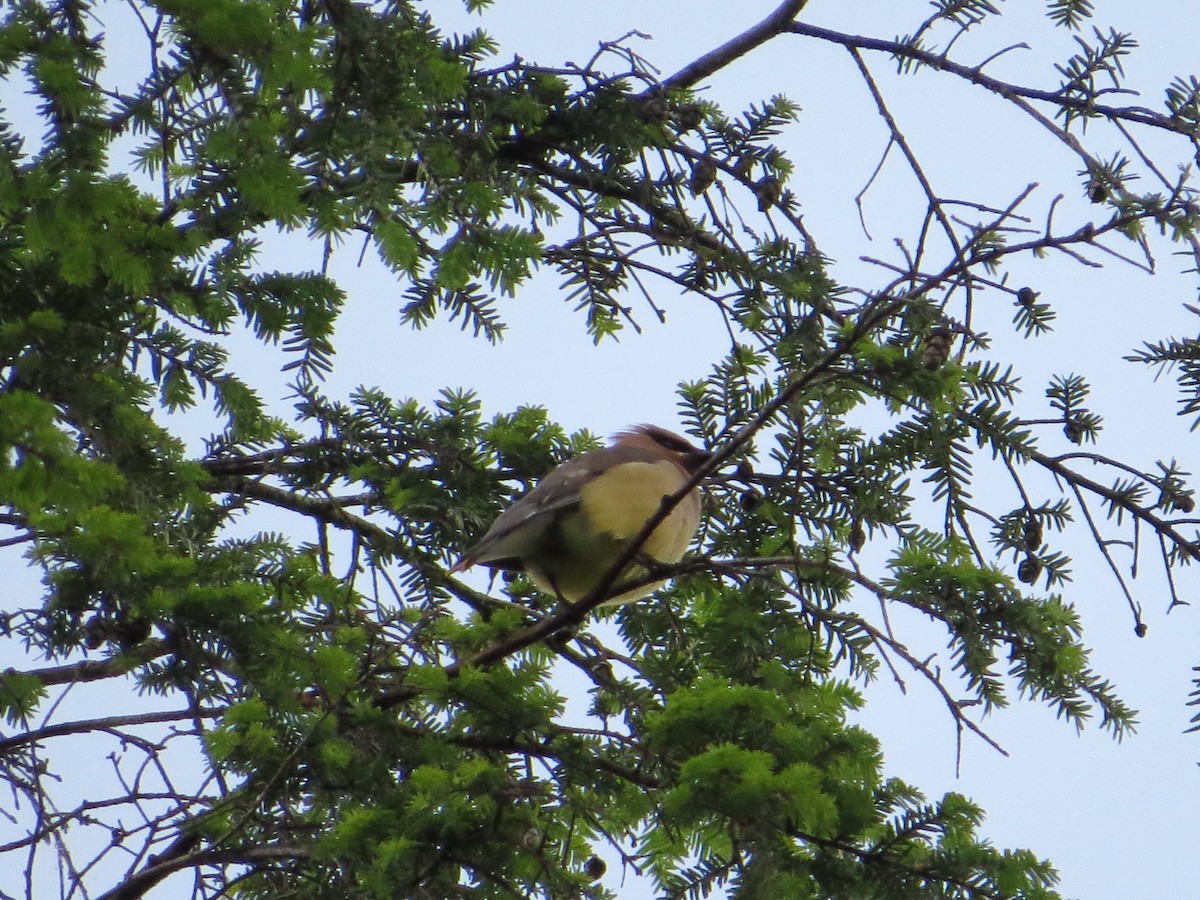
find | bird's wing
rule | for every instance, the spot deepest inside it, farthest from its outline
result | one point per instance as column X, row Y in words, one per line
column 517, row 531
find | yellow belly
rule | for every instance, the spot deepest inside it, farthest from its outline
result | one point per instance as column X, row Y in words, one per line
column 615, row 507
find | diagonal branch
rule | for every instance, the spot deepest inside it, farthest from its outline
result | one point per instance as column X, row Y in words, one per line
column 179, row 856
column 715, row 60
column 1003, row 88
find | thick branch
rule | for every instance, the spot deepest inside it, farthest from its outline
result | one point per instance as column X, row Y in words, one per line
column 715, row 60
column 97, row 670
column 105, row 724
column 179, row 856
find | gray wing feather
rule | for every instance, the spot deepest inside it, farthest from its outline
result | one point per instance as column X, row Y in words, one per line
column 519, row 529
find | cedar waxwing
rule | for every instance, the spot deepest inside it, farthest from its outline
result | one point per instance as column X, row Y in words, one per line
column 567, row 532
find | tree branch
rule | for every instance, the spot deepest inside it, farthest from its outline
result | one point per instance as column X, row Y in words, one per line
column 112, row 722
column 715, row 60
column 179, row 856
column 97, row 670
column 1003, row 88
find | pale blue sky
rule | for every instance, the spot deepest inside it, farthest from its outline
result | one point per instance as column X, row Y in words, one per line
column 1118, row 820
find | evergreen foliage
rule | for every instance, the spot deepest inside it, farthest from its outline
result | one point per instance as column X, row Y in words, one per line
column 358, row 723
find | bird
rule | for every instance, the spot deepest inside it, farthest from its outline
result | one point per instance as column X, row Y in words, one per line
column 569, row 530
